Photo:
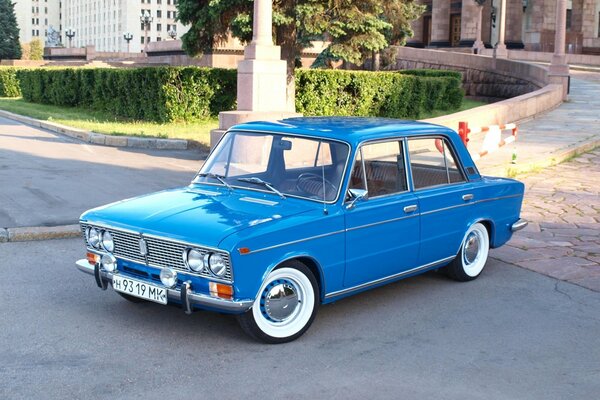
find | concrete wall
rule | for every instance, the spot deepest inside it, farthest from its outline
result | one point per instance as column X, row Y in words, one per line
column 532, row 89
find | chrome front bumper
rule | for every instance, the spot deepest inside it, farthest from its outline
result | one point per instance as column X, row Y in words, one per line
column 186, row 296
column 517, row 226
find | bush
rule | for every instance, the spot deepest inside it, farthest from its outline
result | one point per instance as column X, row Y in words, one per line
column 168, row 94
column 161, row 94
column 9, row 84
column 384, row 94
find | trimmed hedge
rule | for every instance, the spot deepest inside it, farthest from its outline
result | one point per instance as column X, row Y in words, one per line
column 168, row 94
column 384, row 94
column 161, row 94
column 9, row 84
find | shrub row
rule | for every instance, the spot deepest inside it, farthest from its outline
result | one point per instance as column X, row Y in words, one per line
column 161, row 94
column 9, row 84
column 167, row 94
column 384, row 94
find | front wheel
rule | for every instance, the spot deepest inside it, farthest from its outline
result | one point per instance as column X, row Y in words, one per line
column 285, row 307
column 472, row 256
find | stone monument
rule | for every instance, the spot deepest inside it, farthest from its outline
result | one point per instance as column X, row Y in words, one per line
column 261, row 78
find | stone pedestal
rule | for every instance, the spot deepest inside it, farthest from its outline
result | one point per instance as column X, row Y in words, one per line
column 469, row 21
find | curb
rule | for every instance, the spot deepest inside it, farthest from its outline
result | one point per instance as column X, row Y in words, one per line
column 99, row 138
column 26, row 234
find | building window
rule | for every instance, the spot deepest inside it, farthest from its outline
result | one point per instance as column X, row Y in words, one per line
column 158, row 14
column 569, row 18
column 142, row 40
column 158, row 27
column 174, row 13
column 169, row 2
column 142, row 26
column 158, row 39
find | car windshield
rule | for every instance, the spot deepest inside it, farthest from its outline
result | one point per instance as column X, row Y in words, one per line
column 293, row 166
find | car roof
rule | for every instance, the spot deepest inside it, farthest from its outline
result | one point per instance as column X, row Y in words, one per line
column 349, row 129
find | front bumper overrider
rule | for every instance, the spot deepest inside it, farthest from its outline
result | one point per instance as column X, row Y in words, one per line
column 186, row 296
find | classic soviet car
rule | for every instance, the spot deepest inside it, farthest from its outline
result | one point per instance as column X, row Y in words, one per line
column 285, row 216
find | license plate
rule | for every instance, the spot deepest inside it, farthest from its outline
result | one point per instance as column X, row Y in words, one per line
column 140, row 289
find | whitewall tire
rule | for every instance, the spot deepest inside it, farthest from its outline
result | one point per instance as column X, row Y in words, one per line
column 472, row 256
column 286, row 305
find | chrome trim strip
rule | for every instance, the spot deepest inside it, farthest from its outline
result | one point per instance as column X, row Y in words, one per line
column 259, row 201
column 520, row 224
column 470, row 203
column 381, row 222
column 388, row 278
column 294, row 242
column 175, row 294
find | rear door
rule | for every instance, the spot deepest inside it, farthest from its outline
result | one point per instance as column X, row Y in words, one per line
column 445, row 197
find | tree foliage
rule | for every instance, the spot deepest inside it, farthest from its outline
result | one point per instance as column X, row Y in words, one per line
column 354, row 28
column 10, row 48
column 36, row 49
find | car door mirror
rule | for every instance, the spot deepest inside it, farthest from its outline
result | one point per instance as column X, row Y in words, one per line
column 355, row 196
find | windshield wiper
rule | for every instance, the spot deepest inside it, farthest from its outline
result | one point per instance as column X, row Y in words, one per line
column 220, row 178
column 258, row 181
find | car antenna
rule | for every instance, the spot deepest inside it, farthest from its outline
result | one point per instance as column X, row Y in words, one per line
column 323, row 175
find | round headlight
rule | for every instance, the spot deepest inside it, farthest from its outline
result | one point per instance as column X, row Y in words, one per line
column 107, row 241
column 93, row 237
column 217, row 264
column 109, row 262
column 194, row 260
column 168, row 277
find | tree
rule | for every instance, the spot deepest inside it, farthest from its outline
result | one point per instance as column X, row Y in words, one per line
column 356, row 28
column 10, row 48
column 36, row 49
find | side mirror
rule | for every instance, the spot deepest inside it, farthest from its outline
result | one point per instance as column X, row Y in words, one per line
column 356, row 195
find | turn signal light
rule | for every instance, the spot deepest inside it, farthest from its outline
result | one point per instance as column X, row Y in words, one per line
column 220, row 290
column 93, row 258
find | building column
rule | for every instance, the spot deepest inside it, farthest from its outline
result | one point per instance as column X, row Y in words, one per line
column 559, row 70
column 440, row 23
column 469, row 20
column 417, row 27
column 514, row 24
column 500, row 49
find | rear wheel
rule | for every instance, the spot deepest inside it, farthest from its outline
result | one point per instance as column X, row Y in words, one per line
column 286, row 305
column 472, row 255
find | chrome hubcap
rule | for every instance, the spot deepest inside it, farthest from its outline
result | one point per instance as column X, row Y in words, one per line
column 471, row 248
column 279, row 300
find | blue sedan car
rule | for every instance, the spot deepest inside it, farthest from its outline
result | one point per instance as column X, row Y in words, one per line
column 285, row 216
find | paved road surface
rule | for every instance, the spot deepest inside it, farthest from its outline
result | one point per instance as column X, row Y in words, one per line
column 47, row 179
column 511, row 334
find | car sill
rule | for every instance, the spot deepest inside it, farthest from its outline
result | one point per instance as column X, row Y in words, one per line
column 387, row 278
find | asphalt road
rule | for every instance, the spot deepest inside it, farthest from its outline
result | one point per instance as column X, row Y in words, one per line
column 48, row 179
column 511, row 334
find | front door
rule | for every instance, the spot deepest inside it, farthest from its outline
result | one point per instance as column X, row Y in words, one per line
column 382, row 231
column 455, row 30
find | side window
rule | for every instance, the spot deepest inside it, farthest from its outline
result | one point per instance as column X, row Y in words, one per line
column 433, row 163
column 382, row 165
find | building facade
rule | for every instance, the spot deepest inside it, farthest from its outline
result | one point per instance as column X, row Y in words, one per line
column 36, row 18
column 101, row 23
column 529, row 24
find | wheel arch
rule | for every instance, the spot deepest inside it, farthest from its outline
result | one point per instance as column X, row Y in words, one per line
column 313, row 266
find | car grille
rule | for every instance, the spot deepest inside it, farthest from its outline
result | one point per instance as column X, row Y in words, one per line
column 161, row 252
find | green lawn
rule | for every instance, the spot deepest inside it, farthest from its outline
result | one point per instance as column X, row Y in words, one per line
column 108, row 124
column 466, row 105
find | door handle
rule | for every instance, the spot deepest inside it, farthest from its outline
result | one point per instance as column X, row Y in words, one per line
column 467, row 197
column 411, row 208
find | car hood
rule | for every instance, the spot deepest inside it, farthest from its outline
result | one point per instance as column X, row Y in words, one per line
column 196, row 215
